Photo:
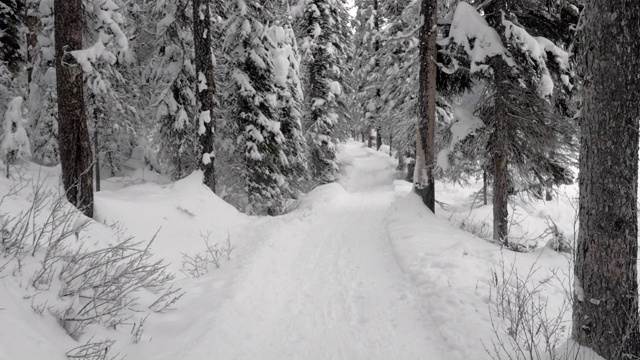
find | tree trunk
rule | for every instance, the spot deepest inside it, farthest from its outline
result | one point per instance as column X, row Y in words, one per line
column 31, row 22
column 484, row 186
column 73, row 134
column 499, row 138
column 425, row 148
column 500, row 144
column 369, row 137
column 205, row 88
column 605, row 306
column 97, row 161
column 378, row 138
column 390, row 143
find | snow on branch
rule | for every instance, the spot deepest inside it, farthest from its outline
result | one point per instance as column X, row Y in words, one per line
column 108, row 31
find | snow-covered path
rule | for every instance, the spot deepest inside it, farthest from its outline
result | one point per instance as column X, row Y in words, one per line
column 323, row 283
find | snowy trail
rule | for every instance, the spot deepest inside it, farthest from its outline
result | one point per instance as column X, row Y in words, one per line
column 323, row 284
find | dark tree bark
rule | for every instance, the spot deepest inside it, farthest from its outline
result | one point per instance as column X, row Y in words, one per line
column 500, row 152
column 376, row 49
column 425, row 147
column 73, row 134
column 31, row 21
column 605, row 306
column 205, row 88
column 369, row 137
column 499, row 138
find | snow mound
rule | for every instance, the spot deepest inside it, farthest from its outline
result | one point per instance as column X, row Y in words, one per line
column 179, row 213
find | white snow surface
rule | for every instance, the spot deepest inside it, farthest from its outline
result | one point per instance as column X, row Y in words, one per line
column 360, row 269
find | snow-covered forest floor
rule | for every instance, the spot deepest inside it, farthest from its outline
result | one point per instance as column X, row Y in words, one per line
column 359, row 269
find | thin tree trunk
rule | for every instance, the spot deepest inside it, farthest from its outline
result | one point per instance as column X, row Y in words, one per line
column 425, row 149
column 605, row 306
column 205, row 88
column 73, row 134
column 369, row 137
column 378, row 138
column 484, row 185
column 31, row 22
column 390, row 143
column 97, row 159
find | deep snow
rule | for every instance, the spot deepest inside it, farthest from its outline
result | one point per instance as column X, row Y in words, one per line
column 358, row 270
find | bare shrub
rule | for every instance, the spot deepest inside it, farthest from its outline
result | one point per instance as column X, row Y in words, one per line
column 196, row 265
column 93, row 351
column 522, row 327
column 102, row 283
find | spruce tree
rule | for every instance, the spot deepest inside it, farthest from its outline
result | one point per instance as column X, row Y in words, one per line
column 528, row 77
column 42, row 100
column 324, row 44
column 170, row 71
column 15, row 143
column 254, row 111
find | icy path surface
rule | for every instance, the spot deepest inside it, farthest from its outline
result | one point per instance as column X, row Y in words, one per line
column 322, row 283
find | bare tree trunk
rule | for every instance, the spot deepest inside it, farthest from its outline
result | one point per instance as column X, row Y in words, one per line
column 31, row 21
column 425, row 148
column 73, row 134
column 499, row 138
column 484, row 185
column 605, row 306
column 390, row 143
column 205, row 88
column 369, row 137
column 378, row 138
column 97, row 161
column 500, row 144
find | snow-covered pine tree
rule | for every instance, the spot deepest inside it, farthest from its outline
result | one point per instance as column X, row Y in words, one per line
column 11, row 50
column 15, row 143
column 42, row 100
column 520, row 70
column 288, row 85
column 253, row 113
column 171, row 74
column 367, row 69
column 113, row 122
column 324, row 43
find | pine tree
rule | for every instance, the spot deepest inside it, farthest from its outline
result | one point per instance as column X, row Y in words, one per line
column 367, row 68
column 75, row 146
column 11, row 52
column 171, row 74
column 324, row 45
column 42, row 100
column 254, row 110
column 524, row 75
column 290, row 102
column 112, row 121
column 15, row 143
column 605, row 304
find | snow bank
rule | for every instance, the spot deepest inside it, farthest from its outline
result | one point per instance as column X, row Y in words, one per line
column 178, row 212
column 453, row 271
